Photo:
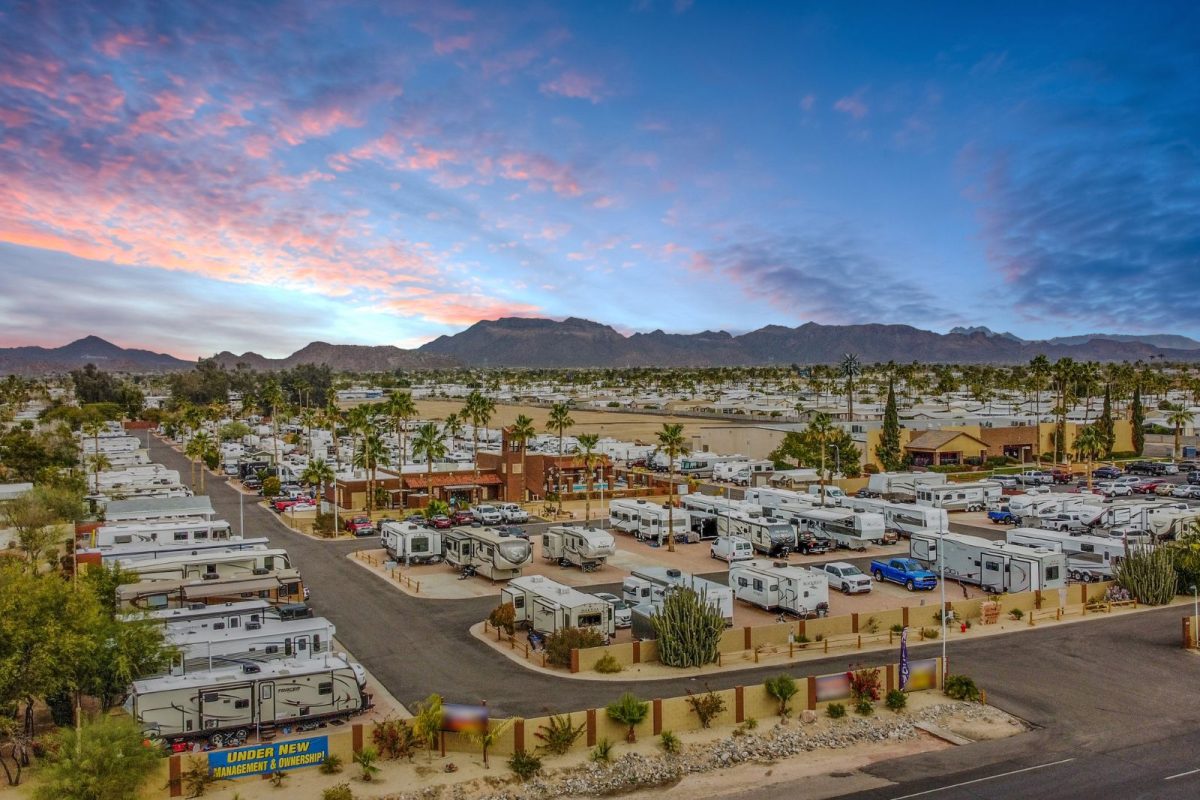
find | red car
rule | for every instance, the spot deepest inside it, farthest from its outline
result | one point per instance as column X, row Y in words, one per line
column 462, row 517
column 356, row 524
column 284, row 503
column 441, row 521
column 1061, row 476
column 1147, row 486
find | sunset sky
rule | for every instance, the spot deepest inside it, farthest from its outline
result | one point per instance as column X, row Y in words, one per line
column 255, row 176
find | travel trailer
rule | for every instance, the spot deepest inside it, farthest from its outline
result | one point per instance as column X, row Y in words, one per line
column 233, row 614
column 846, row 528
column 209, row 704
column 546, row 606
column 159, row 508
column 975, row 496
column 129, row 555
column 647, row 521
column 1131, row 515
column 208, row 566
column 410, row 543
column 206, row 643
column 1089, row 558
column 770, row 535
column 775, row 584
column 586, row 548
column 995, row 566
column 903, row 518
column 703, row 511
column 485, row 550
column 647, row 584
column 624, row 515
column 743, row 472
column 280, row 587
column 772, row 499
column 1165, row 525
column 184, row 530
column 901, row 485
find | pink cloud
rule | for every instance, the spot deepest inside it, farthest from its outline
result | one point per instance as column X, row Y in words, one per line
column 452, row 44
column 539, row 171
column 576, row 85
column 316, row 123
column 852, row 105
column 116, row 44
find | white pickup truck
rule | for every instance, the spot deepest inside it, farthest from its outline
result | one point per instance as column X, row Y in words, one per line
column 488, row 515
column 513, row 514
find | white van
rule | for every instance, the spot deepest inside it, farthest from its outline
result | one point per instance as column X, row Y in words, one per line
column 731, row 549
column 831, row 492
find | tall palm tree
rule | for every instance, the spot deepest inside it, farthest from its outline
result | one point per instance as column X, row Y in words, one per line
column 1177, row 417
column 402, row 409
column 429, row 443
column 587, row 446
column 522, row 431
column 453, row 426
column 479, row 409
column 851, row 368
column 99, row 463
column 1089, row 443
column 318, row 473
column 359, row 421
column 670, row 440
column 308, row 418
column 367, row 457
column 560, row 420
column 200, row 444
column 333, row 415
column 821, row 426
column 272, row 396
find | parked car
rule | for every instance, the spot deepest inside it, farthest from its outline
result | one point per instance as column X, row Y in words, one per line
column 904, row 571
column 358, row 524
column 252, row 483
column 1186, row 491
column 513, row 514
column 1002, row 516
column 487, row 514
column 1114, row 489
column 1193, row 477
column 1147, row 485
column 302, row 505
column 462, row 517
column 1066, row 521
column 846, row 577
column 1005, row 481
column 1169, row 468
column 731, row 548
column 440, row 522
column 1164, row 489
column 1034, row 477
column 281, row 504
column 1061, row 476
column 515, row 532
column 808, row 543
column 1106, row 473
column 622, row 615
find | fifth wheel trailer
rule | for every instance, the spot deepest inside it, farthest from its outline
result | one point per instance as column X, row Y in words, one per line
column 547, row 606
column 1089, row 558
column 651, row 584
column 586, row 548
column 769, row 535
column 776, row 584
column 974, row 496
column 995, row 566
column 491, row 554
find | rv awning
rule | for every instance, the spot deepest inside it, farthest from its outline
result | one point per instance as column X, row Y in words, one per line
column 234, row 587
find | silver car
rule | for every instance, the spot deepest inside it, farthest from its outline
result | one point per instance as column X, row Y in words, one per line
column 622, row 616
column 847, row 577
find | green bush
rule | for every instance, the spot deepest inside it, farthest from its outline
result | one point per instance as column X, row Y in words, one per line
column 688, row 629
column 504, row 617
column 782, row 688
column 896, row 700
column 628, row 710
column 332, row 764
column 111, row 761
column 1016, row 613
column 524, row 765
column 864, row 707
column 603, row 751
column 395, row 738
column 270, row 486
column 559, row 734
column 835, row 710
column 960, row 687
column 607, row 664
column 930, row 633
column 339, row 791
column 366, row 759
column 897, row 628
column 560, row 644
column 670, row 742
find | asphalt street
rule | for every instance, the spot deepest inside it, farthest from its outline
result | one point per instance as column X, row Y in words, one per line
column 1116, row 696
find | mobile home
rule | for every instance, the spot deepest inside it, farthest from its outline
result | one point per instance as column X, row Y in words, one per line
column 1089, row 558
column 411, row 543
column 546, row 606
column 770, row 535
column 995, row 566
column 210, row 703
column 490, row 554
column 975, row 496
column 775, row 584
column 586, row 548
column 647, row 584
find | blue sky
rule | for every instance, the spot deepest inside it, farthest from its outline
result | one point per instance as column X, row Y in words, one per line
column 193, row 179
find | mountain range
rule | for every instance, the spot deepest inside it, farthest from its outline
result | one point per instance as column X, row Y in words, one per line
column 574, row 342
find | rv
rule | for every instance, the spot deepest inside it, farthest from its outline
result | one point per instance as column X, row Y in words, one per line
column 975, row 496
column 703, row 511
column 1089, row 558
column 1166, row 524
column 899, row 485
column 586, row 548
column 647, row 520
column 742, row 472
column 280, row 586
column 547, row 607
column 846, row 528
column 411, row 543
column 903, row 518
column 1130, row 515
column 779, row 499
column 1028, row 507
column 210, row 703
column 995, row 566
column 648, row 584
column 129, row 555
column 203, row 643
column 623, row 515
column 159, row 508
column 210, row 565
column 186, row 530
column 770, row 585
column 488, row 552
column 770, row 535
column 233, row 614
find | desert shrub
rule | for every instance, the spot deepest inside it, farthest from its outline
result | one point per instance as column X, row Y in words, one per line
column 1148, row 574
column 608, row 665
column 750, row 724
column 897, row 628
column 559, row 734
column 197, row 778
column 278, row 777
column 504, row 617
column 930, row 633
column 864, row 707
column 270, row 486
column 1016, row 613
column 961, row 687
column 602, row 751
column 835, row 710
column 628, row 710
column 896, row 700
column 782, row 688
column 366, row 759
column 706, row 706
column 864, row 683
column 524, row 765
column 109, row 760
column 560, row 644
column 323, row 525
column 394, row 738
column 339, row 791
column 871, row 625
column 670, row 742
column 332, row 764
column 802, row 639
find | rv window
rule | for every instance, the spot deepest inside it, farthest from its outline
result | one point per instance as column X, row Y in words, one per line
column 590, row 620
column 234, row 622
column 325, row 688
column 181, row 536
column 316, row 642
column 272, row 649
column 287, row 647
column 992, row 565
column 269, row 562
column 743, row 582
column 126, row 539
column 976, row 563
column 1051, row 573
column 266, row 691
column 518, row 602
column 301, row 644
column 210, row 697
column 218, row 626
column 420, row 544
column 200, row 536
column 758, row 585
column 241, row 703
column 291, row 588
column 1087, row 548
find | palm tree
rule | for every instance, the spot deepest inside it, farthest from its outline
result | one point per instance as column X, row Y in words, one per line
column 670, row 439
column 821, row 426
column 490, row 735
column 402, row 409
column 560, row 420
column 318, row 473
column 850, row 368
column 453, row 426
column 333, row 415
column 587, row 445
column 479, row 409
column 1089, row 443
column 521, row 432
column 367, row 456
column 309, row 420
column 429, row 442
column 99, row 463
column 1177, row 418
column 272, row 395
column 201, row 445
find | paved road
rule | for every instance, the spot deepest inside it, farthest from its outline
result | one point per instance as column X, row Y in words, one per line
column 1116, row 695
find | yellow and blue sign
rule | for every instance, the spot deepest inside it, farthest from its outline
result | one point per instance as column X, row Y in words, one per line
column 268, row 758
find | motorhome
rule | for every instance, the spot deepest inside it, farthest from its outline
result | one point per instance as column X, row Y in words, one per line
column 850, row 529
column 110, row 444
column 410, row 543
column 902, row 485
column 975, row 496
column 769, row 535
column 904, row 519
column 775, row 584
column 547, row 607
column 700, row 465
column 232, row 613
column 995, row 566
column 1089, row 558
column 209, row 566
column 624, row 514
column 647, row 584
column 488, row 552
column 182, row 531
column 210, row 703
column 206, row 643
column 586, row 548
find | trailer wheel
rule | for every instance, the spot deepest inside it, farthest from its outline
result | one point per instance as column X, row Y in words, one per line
column 1074, row 575
column 217, row 740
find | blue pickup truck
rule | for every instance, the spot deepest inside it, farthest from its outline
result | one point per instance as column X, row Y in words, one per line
column 904, row 571
column 1002, row 516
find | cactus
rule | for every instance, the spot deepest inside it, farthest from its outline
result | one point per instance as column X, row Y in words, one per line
column 688, row 629
column 1149, row 575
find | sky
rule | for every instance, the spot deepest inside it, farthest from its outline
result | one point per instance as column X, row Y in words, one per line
column 193, row 178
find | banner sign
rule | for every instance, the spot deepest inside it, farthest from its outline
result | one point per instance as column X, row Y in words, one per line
column 267, row 758
column 464, row 719
column 905, row 667
column 833, row 687
column 922, row 675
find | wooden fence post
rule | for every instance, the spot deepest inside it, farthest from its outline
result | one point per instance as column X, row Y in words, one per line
column 518, row 735
column 574, row 659
column 356, row 737
column 812, row 693
column 591, row 727
column 905, row 612
column 739, row 704
column 175, row 776
column 854, row 622
column 891, row 677
column 747, row 638
column 637, row 652
column 657, row 717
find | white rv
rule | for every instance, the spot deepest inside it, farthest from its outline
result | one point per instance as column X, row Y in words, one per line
column 902, row 484
column 995, row 566
column 846, row 528
column 796, row 590
column 130, row 555
column 769, row 535
column 704, row 510
column 488, row 552
column 775, row 499
column 974, row 496
column 411, row 543
column 159, row 508
column 207, row 642
column 208, row 566
column 742, row 472
column 1089, row 558
column 548, row 607
column 187, row 530
column 586, row 548
column 210, row 703
column 648, row 584
column 1131, row 515
column 647, row 521
column 624, row 514
column 903, row 518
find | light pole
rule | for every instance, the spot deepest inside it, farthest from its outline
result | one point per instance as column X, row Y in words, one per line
column 837, row 463
column 942, row 585
column 242, row 513
column 1195, row 615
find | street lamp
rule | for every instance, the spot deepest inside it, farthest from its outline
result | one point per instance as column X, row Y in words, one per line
column 837, row 463
column 1195, row 614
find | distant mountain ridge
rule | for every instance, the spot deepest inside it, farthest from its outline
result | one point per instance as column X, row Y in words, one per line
column 1167, row 340
column 575, row 342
